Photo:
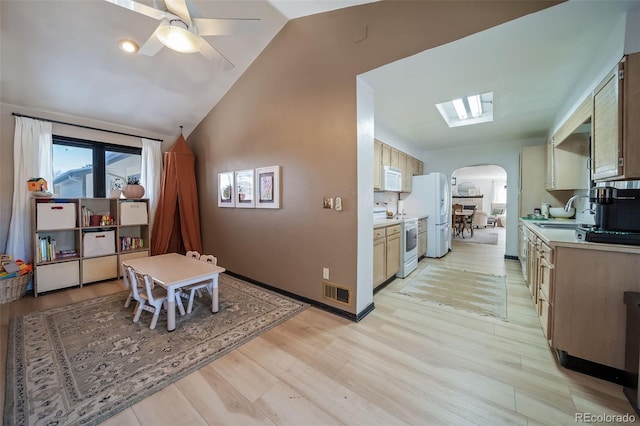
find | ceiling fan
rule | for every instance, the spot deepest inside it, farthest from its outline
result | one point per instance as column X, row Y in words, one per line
column 182, row 33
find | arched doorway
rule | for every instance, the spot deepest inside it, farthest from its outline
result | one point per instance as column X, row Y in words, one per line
column 485, row 187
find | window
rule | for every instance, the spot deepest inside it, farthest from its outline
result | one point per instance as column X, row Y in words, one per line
column 84, row 168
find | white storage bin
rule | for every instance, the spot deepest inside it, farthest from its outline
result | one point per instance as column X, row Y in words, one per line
column 98, row 243
column 56, row 215
column 58, row 275
column 99, row 269
column 133, row 213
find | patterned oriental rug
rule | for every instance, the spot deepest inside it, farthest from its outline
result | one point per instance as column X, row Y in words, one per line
column 483, row 294
column 82, row 363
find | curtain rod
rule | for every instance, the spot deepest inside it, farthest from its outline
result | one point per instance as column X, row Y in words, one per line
column 84, row 127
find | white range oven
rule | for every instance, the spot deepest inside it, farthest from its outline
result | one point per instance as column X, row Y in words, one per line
column 408, row 247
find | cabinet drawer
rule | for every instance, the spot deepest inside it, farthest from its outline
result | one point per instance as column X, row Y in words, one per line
column 378, row 233
column 393, row 230
column 133, row 213
column 99, row 268
column 58, row 275
column 55, row 215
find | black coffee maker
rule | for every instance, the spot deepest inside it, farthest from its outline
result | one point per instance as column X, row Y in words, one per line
column 616, row 209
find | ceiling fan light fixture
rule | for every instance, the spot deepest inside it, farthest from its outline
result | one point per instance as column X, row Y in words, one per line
column 176, row 36
column 128, row 46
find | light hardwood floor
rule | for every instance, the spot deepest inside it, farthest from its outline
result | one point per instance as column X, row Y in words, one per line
column 408, row 362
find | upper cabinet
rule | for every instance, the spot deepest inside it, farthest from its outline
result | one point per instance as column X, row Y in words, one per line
column 568, row 151
column 616, row 136
column 385, row 155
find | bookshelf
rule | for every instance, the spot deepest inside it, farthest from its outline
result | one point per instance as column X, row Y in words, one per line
column 77, row 241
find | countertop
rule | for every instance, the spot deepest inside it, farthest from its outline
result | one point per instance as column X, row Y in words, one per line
column 567, row 238
column 379, row 223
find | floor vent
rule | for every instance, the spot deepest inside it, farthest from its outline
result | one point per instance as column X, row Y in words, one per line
column 337, row 293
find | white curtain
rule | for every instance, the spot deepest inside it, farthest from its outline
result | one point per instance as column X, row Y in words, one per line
column 32, row 158
column 151, row 174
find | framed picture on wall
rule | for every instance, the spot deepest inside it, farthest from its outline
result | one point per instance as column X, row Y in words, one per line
column 245, row 194
column 268, row 187
column 226, row 190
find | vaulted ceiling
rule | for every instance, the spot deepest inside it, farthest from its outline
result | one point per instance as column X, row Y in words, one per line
column 62, row 56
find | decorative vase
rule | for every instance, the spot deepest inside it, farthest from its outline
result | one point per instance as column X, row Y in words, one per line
column 115, row 193
column 133, row 191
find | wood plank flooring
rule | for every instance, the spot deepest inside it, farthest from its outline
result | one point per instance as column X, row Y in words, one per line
column 408, row 362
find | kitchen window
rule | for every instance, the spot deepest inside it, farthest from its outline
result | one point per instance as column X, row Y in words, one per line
column 83, row 168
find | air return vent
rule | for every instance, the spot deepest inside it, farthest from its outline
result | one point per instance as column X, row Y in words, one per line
column 336, row 293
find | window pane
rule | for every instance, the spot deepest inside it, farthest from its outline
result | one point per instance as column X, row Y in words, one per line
column 72, row 171
column 119, row 167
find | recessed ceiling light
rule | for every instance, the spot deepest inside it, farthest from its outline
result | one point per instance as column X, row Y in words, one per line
column 467, row 110
column 128, row 46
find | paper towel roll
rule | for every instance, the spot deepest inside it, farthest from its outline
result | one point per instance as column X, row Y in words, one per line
column 400, row 207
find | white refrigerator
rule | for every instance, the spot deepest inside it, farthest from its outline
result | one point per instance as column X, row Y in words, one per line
column 431, row 194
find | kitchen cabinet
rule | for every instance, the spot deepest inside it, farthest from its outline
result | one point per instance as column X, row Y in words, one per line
column 422, row 237
column 615, row 144
column 386, row 155
column 578, row 291
column 533, row 190
column 377, row 165
column 386, row 253
column 567, row 163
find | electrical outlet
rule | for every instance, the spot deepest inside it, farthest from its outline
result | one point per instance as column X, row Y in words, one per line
column 327, row 203
column 325, row 273
column 339, row 204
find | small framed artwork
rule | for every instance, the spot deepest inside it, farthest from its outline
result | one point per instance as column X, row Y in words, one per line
column 245, row 197
column 226, row 190
column 268, row 187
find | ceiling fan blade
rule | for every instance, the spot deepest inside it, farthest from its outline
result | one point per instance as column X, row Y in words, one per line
column 143, row 9
column 153, row 44
column 214, row 55
column 214, row 26
column 179, row 7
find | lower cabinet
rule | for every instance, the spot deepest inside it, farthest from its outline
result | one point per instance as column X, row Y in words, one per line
column 386, row 253
column 422, row 237
column 99, row 268
column 58, row 275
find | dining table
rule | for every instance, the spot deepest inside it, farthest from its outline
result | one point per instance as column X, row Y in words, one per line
column 462, row 218
column 173, row 271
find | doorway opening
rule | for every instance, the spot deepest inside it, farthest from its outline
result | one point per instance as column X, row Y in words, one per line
column 483, row 189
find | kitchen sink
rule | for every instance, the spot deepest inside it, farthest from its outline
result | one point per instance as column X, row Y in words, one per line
column 557, row 225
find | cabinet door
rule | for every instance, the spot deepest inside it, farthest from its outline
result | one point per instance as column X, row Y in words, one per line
column 379, row 262
column 402, row 165
column 393, row 255
column 422, row 244
column 377, row 165
column 606, row 140
column 395, row 158
column 386, row 155
column 551, row 167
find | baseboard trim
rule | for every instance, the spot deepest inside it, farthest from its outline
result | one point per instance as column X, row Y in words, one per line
column 511, row 257
column 314, row 303
column 593, row 369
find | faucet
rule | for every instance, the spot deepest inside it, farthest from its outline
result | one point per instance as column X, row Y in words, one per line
column 567, row 207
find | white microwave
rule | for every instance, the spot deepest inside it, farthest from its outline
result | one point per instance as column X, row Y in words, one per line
column 391, row 179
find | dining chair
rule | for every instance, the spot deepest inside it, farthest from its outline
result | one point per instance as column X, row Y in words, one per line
column 151, row 297
column 457, row 220
column 133, row 293
column 193, row 254
column 197, row 288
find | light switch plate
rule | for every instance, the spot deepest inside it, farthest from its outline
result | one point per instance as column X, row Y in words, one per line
column 325, row 273
column 327, row 203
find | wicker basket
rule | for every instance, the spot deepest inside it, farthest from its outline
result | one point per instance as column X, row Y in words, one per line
column 14, row 288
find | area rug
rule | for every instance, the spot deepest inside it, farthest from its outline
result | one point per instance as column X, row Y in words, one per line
column 82, row 363
column 480, row 237
column 483, row 294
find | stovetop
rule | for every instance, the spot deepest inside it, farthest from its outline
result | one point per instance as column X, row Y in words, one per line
column 596, row 235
